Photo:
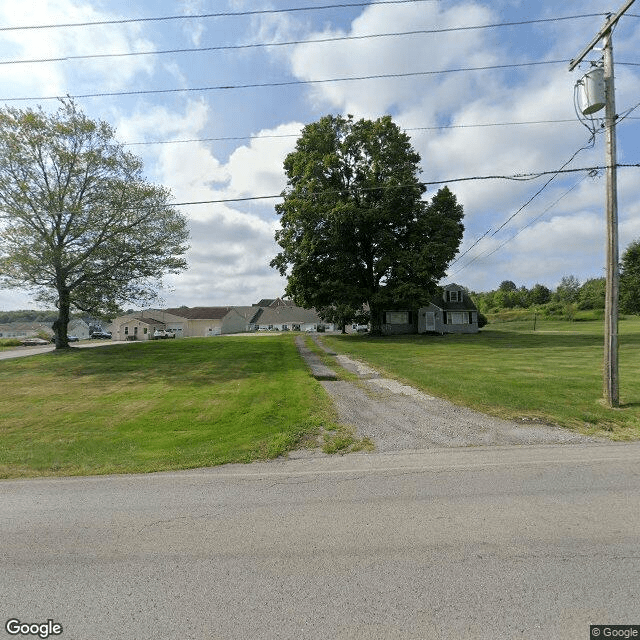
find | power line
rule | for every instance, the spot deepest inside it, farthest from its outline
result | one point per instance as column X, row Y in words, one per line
column 444, row 127
column 590, row 144
column 224, row 14
column 293, row 42
column 290, row 83
column 516, row 177
column 486, row 254
column 295, row 135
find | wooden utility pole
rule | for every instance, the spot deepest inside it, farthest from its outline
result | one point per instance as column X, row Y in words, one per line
column 610, row 381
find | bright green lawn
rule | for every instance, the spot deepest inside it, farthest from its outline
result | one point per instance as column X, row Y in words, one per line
column 156, row 406
column 553, row 374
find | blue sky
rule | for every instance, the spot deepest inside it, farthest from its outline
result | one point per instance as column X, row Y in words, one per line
column 560, row 232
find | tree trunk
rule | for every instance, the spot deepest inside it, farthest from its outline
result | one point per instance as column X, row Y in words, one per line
column 62, row 322
column 376, row 320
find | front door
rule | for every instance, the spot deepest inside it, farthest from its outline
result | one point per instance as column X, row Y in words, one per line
column 430, row 321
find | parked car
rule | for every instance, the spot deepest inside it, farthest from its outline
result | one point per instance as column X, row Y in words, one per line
column 69, row 339
column 100, row 335
column 161, row 334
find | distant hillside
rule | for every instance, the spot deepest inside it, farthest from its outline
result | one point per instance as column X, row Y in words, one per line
column 27, row 315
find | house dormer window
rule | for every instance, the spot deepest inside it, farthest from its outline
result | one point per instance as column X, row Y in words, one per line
column 454, row 296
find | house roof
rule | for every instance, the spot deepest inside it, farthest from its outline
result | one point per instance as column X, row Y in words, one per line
column 201, row 313
column 151, row 322
column 466, row 304
column 288, row 315
column 148, row 315
column 275, row 302
column 250, row 314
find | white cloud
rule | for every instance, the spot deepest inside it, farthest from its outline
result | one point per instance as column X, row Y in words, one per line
column 256, row 168
column 46, row 79
column 233, row 243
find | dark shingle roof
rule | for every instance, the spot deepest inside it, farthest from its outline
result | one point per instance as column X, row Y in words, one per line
column 201, row 313
column 152, row 322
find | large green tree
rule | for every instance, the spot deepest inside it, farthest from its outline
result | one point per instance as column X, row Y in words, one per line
column 355, row 230
column 79, row 224
column 630, row 279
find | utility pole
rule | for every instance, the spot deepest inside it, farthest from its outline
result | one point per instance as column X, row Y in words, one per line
column 610, row 381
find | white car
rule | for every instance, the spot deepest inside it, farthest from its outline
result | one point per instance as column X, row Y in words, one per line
column 161, row 334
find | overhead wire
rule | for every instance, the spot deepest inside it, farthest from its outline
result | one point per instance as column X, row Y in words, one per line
column 530, row 176
column 487, row 254
column 292, row 42
column 444, row 127
column 295, row 135
column 589, row 145
column 220, row 14
column 518, row 176
column 289, row 83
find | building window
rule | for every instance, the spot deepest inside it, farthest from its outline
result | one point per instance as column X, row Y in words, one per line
column 126, row 331
column 454, row 296
column 144, row 331
column 457, row 317
column 397, row 317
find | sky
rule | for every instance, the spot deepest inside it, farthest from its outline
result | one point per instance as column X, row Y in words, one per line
column 478, row 96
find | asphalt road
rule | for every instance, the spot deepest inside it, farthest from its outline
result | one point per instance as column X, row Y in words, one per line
column 506, row 542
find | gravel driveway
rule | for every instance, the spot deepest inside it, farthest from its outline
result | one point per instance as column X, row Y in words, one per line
column 397, row 417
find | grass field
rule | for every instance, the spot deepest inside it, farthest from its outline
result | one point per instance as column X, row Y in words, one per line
column 157, row 406
column 202, row 402
column 553, row 374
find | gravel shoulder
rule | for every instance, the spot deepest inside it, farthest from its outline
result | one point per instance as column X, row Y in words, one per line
column 399, row 417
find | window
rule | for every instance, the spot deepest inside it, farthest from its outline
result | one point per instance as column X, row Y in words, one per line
column 457, row 317
column 126, row 331
column 144, row 331
column 397, row 317
column 455, row 296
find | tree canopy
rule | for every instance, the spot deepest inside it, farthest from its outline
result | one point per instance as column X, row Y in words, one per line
column 79, row 224
column 355, row 230
column 630, row 279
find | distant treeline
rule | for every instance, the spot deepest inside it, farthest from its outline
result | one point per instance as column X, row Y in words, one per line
column 28, row 315
column 31, row 315
column 569, row 297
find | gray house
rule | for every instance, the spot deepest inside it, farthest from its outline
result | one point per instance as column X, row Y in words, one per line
column 451, row 311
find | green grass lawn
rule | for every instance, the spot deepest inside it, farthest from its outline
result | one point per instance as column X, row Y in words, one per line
column 553, row 374
column 156, row 406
